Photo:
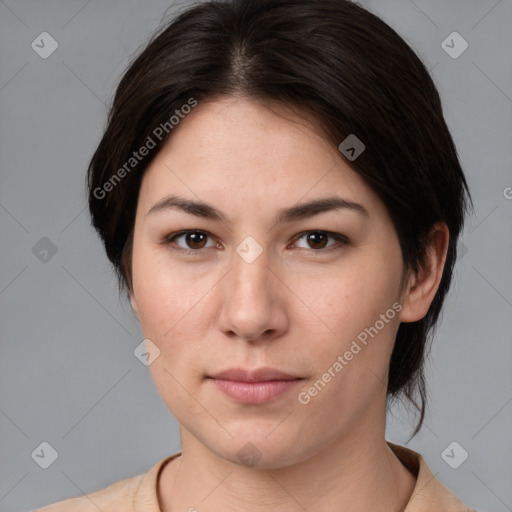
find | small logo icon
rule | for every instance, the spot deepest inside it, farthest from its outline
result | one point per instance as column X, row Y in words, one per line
column 146, row 352
column 44, row 250
column 45, row 455
column 249, row 249
column 454, row 45
column 249, row 455
column 462, row 250
column 352, row 147
column 44, row 45
column 454, row 455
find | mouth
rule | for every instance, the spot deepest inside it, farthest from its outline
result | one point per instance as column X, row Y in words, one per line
column 253, row 386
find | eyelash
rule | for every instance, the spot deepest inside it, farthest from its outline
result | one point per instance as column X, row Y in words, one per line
column 169, row 240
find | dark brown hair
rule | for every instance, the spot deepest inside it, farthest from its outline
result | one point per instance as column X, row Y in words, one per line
column 330, row 59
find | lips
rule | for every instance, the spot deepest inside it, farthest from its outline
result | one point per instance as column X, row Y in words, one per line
column 263, row 374
column 254, row 386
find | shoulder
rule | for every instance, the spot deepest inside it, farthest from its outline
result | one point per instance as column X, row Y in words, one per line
column 429, row 494
column 129, row 495
column 108, row 499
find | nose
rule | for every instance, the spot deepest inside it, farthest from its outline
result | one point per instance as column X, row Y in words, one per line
column 254, row 306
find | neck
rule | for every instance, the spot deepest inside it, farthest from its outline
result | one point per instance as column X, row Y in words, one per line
column 359, row 470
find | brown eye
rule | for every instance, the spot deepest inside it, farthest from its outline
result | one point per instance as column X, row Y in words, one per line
column 194, row 241
column 317, row 240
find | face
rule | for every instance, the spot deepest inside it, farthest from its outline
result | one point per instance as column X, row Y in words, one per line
column 311, row 293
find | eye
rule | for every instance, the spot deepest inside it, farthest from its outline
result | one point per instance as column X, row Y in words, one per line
column 317, row 240
column 195, row 240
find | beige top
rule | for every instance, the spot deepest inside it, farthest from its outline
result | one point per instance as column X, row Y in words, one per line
column 139, row 493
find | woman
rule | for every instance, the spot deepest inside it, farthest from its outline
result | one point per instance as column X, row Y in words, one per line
column 281, row 199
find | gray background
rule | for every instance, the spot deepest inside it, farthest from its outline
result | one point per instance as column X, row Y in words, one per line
column 68, row 373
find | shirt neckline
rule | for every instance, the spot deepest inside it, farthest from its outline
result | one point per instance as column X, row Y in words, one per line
column 426, row 489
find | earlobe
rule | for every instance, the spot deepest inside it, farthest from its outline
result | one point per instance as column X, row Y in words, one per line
column 423, row 285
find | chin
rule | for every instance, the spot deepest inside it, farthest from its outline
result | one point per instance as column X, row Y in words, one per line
column 256, row 448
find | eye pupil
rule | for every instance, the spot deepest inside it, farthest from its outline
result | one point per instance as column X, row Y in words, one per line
column 314, row 237
column 191, row 239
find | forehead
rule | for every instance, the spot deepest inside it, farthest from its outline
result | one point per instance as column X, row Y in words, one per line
column 263, row 153
column 229, row 128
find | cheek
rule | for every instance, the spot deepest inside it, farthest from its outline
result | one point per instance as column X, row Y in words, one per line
column 174, row 315
column 350, row 369
column 350, row 298
column 164, row 296
column 357, row 322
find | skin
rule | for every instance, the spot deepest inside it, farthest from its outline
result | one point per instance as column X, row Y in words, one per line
column 293, row 308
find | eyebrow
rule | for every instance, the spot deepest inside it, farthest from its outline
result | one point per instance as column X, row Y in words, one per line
column 285, row 215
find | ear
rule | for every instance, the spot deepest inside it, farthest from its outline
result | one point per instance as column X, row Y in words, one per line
column 423, row 285
column 135, row 307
